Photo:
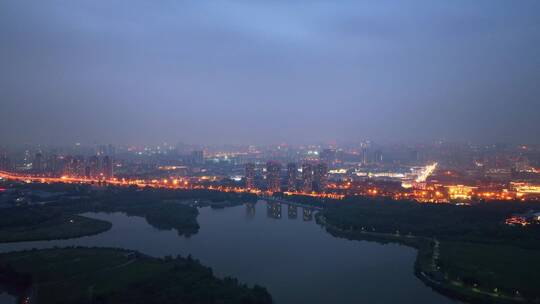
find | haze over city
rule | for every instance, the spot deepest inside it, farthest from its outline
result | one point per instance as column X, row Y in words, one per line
column 269, row 152
column 255, row 72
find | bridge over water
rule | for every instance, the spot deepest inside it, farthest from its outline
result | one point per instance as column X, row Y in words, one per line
column 290, row 203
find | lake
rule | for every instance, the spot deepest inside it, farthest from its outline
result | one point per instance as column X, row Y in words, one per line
column 276, row 246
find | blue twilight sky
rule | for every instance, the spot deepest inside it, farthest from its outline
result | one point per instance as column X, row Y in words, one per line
column 138, row 71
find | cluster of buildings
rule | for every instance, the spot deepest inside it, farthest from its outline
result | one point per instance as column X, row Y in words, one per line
column 309, row 178
column 95, row 167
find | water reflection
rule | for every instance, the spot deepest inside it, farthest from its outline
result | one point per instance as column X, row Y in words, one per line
column 250, row 210
column 308, row 214
column 292, row 212
column 273, row 210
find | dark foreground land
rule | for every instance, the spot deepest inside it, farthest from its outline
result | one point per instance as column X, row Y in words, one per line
column 465, row 252
column 102, row 275
column 35, row 225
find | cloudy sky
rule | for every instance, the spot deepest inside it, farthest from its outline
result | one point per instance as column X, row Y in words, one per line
column 138, row 71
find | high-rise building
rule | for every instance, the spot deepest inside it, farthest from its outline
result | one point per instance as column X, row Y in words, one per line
column 365, row 146
column 378, row 157
column 273, row 171
column 101, row 150
column 74, row 166
column 365, row 156
column 111, row 150
column 78, row 166
column 292, row 171
column 320, row 177
column 37, row 164
column 307, row 178
column 250, row 175
column 52, row 166
column 68, row 168
column 107, row 167
column 5, row 163
column 92, row 168
column 197, row 157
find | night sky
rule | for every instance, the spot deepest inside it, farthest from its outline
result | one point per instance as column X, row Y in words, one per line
column 217, row 72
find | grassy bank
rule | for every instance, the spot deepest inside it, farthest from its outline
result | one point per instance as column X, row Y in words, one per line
column 43, row 227
column 100, row 275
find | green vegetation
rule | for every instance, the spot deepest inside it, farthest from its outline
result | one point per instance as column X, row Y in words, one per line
column 57, row 227
column 100, row 275
column 464, row 251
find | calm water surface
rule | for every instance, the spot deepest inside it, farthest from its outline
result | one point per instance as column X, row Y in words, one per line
column 276, row 246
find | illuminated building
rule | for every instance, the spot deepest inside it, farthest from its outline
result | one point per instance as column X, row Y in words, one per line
column 320, row 177
column 307, row 178
column 92, row 168
column 526, row 188
column 37, row 164
column 78, row 166
column 273, row 170
column 460, row 192
column 250, row 175
column 292, row 171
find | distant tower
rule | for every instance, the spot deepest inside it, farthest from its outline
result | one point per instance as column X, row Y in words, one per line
column 250, row 175
column 320, row 177
column 273, row 170
column 307, row 178
column 37, row 165
column 291, row 177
